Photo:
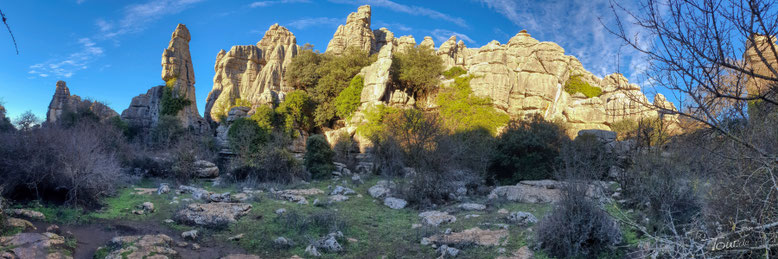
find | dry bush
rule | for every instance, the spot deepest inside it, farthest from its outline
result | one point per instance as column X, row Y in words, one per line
column 346, row 150
column 271, row 163
column 76, row 165
column 577, row 227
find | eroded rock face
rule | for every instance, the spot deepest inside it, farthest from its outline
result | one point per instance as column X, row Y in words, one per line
column 144, row 110
column 356, row 33
column 63, row 102
column 252, row 73
column 178, row 73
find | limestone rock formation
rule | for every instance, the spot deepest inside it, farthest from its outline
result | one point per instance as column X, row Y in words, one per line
column 62, row 102
column 427, row 43
column 355, row 33
column 144, row 110
column 178, row 73
column 252, row 74
column 759, row 56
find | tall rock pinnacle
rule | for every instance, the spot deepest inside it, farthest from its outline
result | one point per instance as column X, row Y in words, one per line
column 62, row 102
column 177, row 71
column 356, row 33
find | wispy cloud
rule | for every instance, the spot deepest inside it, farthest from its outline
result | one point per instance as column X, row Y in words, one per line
column 135, row 18
column 392, row 26
column 269, row 3
column 319, row 21
column 577, row 27
column 441, row 35
column 409, row 9
column 68, row 66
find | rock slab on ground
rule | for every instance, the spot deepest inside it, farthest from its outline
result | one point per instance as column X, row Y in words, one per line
column 212, row 214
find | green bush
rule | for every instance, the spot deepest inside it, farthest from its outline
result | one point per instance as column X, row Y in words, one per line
column 171, row 104
column 461, row 110
column 246, row 136
column 336, row 73
column 625, row 129
column 271, row 164
column 265, row 117
column 375, row 116
column 302, row 71
column 576, row 85
column 349, row 99
column 296, row 111
column 454, row 72
column 417, row 70
column 318, row 156
column 527, row 150
column 167, row 131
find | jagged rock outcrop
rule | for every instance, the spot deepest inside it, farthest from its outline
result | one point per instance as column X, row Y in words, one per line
column 356, row 33
column 427, row 43
column 144, row 111
column 252, row 74
column 63, row 102
column 178, row 73
column 759, row 57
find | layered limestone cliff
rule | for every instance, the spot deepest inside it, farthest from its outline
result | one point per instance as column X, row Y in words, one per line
column 62, row 102
column 523, row 76
column 252, row 74
column 356, row 33
column 178, row 73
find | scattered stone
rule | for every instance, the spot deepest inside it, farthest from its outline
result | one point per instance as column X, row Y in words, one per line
column 472, row 236
column 329, row 244
column 352, row 240
column 33, row 245
column 191, row 234
column 356, row 179
column 338, row 198
column 169, row 221
column 342, row 191
column 298, row 196
column 425, row 241
column 522, row 218
column 523, row 253
column 282, row 242
column 236, row 237
column 144, row 191
column 204, row 195
column 212, row 214
column 435, row 218
column 240, row 256
column 395, row 203
column 446, row 252
column 19, row 223
column 280, row 211
column 526, row 194
column 316, row 202
column 182, row 244
column 53, row 229
column 472, row 206
column 195, row 247
column 312, row 251
column 205, row 169
column 415, row 226
column 472, row 216
column 147, row 246
column 163, row 188
column 381, row 189
column 502, row 211
column 147, row 207
column 28, row 214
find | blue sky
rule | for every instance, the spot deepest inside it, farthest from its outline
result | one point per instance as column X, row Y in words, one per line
column 110, row 51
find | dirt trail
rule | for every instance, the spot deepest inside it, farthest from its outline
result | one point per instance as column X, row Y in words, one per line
column 94, row 235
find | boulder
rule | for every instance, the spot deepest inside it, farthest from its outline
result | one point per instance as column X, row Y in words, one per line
column 447, row 252
column 342, row 190
column 435, row 218
column 158, row 246
column 526, row 194
column 25, row 213
column 472, row 206
column 395, row 203
column 19, row 223
column 34, row 245
column 475, row 236
column 522, row 218
column 205, row 169
column 212, row 214
column 381, row 189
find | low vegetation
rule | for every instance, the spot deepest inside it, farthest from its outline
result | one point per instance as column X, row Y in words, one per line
column 454, row 72
column 461, row 110
column 527, row 150
column 349, row 99
column 577, row 85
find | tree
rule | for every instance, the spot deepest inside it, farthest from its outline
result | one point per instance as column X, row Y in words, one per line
column 349, row 99
column 27, row 121
column 417, row 69
column 302, row 71
column 318, row 156
column 336, row 73
column 296, row 111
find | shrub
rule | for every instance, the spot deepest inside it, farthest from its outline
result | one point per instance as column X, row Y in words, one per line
column 345, row 151
column 271, row 164
column 625, row 129
column 374, row 116
column 349, row 99
column 72, row 116
column 302, row 71
column 76, row 165
column 264, row 117
column 577, row 85
column 296, row 111
column 246, row 136
column 167, row 131
column 318, row 156
column 577, row 227
column 527, row 150
column 417, row 70
column 585, row 157
column 27, row 121
column 336, row 73
column 461, row 110
column 454, row 72
column 171, row 104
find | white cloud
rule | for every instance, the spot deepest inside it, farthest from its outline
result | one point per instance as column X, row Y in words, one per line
column 412, row 10
column 441, row 35
column 269, row 3
column 103, row 25
column 137, row 17
column 577, row 27
column 308, row 22
column 67, row 66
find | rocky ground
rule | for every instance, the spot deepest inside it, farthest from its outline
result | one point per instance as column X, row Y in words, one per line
column 344, row 217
